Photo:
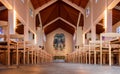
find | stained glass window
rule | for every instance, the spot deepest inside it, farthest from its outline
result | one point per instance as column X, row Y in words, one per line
column 59, row 41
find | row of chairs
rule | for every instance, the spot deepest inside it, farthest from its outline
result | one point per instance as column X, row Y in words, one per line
column 15, row 50
column 103, row 51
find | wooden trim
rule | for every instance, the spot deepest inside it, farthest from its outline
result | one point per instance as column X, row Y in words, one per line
column 45, row 6
column 75, row 6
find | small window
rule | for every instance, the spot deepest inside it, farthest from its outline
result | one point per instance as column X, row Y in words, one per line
column 87, row 11
column 1, row 30
column 22, row 1
column 31, row 12
column 118, row 29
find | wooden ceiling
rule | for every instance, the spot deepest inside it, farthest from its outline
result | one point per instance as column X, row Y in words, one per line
column 3, row 13
column 59, row 9
column 63, row 10
column 59, row 24
column 99, row 29
column 39, row 3
column 1, row 4
column 116, row 14
column 20, row 29
column 81, row 3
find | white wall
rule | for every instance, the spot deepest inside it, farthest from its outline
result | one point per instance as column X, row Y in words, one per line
column 21, row 9
column 68, row 43
column 98, row 10
column 88, row 18
column 31, row 19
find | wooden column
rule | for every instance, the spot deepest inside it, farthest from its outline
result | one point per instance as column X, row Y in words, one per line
column 8, row 44
column 94, row 56
column 81, row 57
column 17, row 53
column 100, row 50
column 38, row 57
column 89, row 55
column 78, row 56
column 28, row 56
column 119, row 56
column 10, row 30
column 104, row 59
column 32, row 56
column 86, row 58
column 110, row 63
column 24, row 53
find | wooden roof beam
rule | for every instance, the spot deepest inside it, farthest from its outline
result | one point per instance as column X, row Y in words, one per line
column 75, row 6
column 100, row 24
column 79, row 18
column 58, row 19
column 45, row 6
column 67, row 22
column 50, row 22
column 40, row 20
column 6, row 4
column 2, row 8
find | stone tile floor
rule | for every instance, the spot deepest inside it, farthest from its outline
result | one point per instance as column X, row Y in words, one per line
column 61, row 68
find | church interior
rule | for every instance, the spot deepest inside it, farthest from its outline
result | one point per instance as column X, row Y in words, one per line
column 59, row 31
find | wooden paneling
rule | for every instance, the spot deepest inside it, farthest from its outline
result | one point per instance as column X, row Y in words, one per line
column 51, row 27
column 115, row 16
column 48, row 14
column 71, row 14
column 39, row 3
column 81, row 3
column 60, row 9
column 99, row 29
column 20, row 29
column 1, row 4
column 118, row 4
column 59, row 24
column 4, row 15
column 66, row 27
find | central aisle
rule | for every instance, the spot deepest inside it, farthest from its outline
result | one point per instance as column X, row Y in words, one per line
column 61, row 68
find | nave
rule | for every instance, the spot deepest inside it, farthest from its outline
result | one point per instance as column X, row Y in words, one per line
column 61, row 68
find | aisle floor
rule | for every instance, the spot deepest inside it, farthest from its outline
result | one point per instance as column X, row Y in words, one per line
column 61, row 68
